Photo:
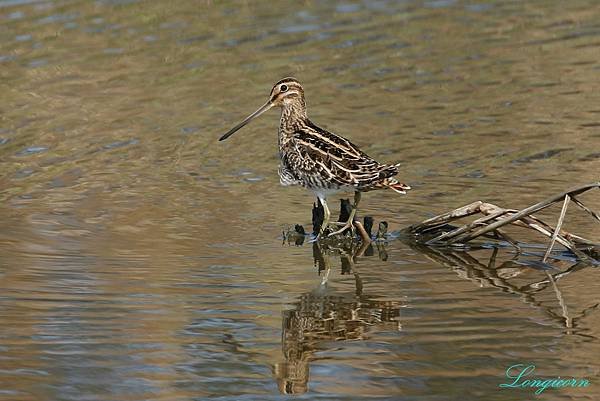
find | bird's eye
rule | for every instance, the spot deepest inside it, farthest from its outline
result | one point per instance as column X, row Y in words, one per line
column 283, row 88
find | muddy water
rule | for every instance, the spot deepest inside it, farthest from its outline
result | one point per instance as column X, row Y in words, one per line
column 142, row 260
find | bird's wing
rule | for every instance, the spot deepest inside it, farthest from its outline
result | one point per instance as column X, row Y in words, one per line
column 336, row 159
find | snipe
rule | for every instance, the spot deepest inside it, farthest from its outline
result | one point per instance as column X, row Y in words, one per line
column 317, row 159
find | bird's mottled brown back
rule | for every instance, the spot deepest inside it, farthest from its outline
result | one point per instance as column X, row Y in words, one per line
column 320, row 160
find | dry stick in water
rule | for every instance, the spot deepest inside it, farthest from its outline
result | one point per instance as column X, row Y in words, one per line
column 468, row 210
column 563, row 212
column 531, row 221
column 508, row 238
column 522, row 218
column 468, row 227
column 545, row 229
column 525, row 212
column 584, row 207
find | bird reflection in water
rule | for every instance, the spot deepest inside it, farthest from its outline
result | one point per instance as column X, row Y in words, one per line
column 323, row 315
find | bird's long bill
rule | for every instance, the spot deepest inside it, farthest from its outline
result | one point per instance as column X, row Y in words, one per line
column 251, row 117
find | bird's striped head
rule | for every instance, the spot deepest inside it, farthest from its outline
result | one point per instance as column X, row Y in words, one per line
column 286, row 91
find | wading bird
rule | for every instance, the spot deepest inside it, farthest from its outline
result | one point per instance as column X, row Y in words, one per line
column 317, row 159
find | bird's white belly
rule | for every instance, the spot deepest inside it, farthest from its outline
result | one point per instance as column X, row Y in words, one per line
column 325, row 193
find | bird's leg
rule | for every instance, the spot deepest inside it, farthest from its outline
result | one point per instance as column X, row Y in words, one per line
column 350, row 223
column 326, row 216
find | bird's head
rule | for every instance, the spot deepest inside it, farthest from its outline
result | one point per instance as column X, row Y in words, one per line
column 286, row 92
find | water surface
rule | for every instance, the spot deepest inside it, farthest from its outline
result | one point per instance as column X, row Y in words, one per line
column 140, row 259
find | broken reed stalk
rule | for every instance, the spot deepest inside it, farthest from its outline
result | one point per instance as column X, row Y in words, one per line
column 527, row 211
column 508, row 238
column 467, row 227
column 563, row 211
column 497, row 217
column 584, row 207
column 442, row 219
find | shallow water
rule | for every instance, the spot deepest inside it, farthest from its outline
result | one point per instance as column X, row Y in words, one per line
column 140, row 259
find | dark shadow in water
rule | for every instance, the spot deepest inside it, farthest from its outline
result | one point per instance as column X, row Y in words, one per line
column 324, row 315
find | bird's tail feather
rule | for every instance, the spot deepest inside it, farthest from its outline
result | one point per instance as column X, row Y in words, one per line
column 397, row 186
column 387, row 181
